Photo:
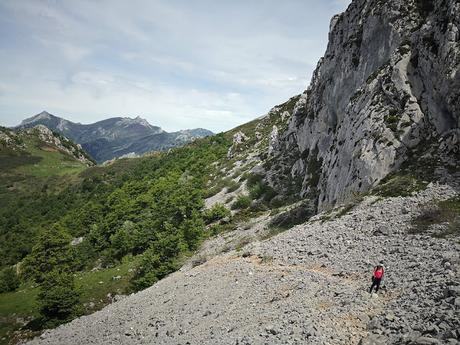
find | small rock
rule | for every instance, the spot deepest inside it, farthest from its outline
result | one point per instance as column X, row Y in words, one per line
column 457, row 302
column 390, row 316
column 382, row 230
column 271, row 330
column 373, row 339
column 426, row 341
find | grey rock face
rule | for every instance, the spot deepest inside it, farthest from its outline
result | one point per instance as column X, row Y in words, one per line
column 388, row 85
column 273, row 140
column 238, row 139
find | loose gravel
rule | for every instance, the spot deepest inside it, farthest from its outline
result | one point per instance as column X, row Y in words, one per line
column 308, row 285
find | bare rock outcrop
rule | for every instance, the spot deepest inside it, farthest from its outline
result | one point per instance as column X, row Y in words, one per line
column 386, row 89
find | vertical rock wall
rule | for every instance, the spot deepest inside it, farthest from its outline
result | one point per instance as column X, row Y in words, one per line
column 388, row 83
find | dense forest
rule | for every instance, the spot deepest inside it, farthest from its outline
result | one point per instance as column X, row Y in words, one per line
column 148, row 210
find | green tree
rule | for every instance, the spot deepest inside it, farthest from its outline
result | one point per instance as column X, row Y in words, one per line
column 215, row 213
column 192, row 230
column 52, row 252
column 122, row 241
column 160, row 259
column 9, row 280
column 58, row 297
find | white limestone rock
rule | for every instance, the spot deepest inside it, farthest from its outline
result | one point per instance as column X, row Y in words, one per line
column 388, row 83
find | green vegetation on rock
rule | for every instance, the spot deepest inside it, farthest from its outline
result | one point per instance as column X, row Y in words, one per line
column 399, row 185
column 445, row 213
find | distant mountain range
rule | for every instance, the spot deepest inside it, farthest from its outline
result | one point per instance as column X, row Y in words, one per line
column 116, row 137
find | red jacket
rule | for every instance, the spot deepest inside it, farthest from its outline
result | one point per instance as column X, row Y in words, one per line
column 378, row 273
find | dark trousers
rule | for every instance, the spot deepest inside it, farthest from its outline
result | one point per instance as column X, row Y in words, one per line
column 376, row 283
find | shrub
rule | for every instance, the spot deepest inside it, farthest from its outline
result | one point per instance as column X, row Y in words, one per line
column 9, row 280
column 58, row 298
column 444, row 212
column 212, row 191
column 258, row 207
column 295, row 216
column 242, row 242
column 399, row 185
column 217, row 212
column 215, row 229
column 266, row 259
column 232, row 186
column 253, row 179
column 256, row 191
column 241, row 202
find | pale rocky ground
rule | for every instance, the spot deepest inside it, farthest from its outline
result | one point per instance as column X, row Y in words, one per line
column 306, row 285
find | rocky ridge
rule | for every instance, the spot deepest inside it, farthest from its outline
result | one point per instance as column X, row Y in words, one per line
column 308, row 284
column 62, row 143
column 44, row 137
column 116, row 137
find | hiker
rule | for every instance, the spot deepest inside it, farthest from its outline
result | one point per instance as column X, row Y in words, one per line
column 377, row 277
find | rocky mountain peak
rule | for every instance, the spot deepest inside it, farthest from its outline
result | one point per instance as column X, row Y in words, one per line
column 142, row 121
column 128, row 121
column 44, row 115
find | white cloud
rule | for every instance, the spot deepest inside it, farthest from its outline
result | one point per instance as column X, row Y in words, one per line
column 179, row 64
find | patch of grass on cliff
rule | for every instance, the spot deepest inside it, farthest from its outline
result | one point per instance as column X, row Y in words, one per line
column 36, row 169
column 392, row 120
column 295, row 216
column 242, row 202
column 52, row 162
column 445, row 212
column 399, row 185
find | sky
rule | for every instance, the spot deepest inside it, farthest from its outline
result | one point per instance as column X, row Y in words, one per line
column 177, row 63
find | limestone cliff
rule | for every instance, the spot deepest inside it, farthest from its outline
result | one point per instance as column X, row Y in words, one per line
column 386, row 91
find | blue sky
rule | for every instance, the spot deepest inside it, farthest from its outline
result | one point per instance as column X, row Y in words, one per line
column 178, row 64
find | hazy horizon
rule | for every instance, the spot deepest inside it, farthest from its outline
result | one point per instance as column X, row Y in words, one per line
column 176, row 64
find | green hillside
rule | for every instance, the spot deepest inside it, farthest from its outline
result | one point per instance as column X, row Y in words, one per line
column 132, row 222
column 28, row 163
column 152, row 204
